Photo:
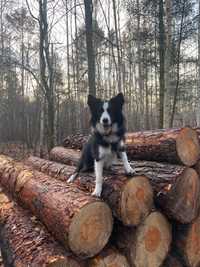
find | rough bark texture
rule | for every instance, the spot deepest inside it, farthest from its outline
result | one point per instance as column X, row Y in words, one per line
column 147, row 245
column 131, row 199
column 81, row 222
column 187, row 242
column 177, row 146
column 109, row 257
column 65, row 156
column 75, row 141
column 177, row 188
column 25, row 242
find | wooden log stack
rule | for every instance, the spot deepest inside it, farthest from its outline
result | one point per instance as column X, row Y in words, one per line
column 156, row 213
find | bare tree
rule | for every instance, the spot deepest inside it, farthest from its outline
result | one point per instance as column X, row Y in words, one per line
column 90, row 47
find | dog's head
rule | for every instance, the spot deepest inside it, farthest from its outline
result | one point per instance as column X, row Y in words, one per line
column 106, row 116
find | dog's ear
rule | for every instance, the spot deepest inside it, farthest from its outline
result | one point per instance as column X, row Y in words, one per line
column 92, row 101
column 118, row 99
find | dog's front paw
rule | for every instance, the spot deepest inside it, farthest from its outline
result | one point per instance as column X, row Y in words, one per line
column 130, row 171
column 96, row 192
column 71, row 178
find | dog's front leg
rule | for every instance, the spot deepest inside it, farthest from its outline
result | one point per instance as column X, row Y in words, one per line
column 98, row 166
column 128, row 169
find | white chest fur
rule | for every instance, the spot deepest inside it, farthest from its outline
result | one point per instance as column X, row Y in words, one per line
column 105, row 152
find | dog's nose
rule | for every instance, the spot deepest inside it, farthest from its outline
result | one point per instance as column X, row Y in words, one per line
column 105, row 121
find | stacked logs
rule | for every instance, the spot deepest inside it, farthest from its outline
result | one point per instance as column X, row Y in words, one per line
column 156, row 213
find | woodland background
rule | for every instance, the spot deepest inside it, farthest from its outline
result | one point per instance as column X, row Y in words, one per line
column 53, row 53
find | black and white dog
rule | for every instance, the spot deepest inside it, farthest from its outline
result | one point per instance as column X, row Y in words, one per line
column 107, row 140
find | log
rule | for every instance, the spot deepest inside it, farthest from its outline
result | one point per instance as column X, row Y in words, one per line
column 75, row 141
column 78, row 220
column 65, row 156
column 131, row 200
column 109, row 257
column 25, row 242
column 177, row 188
column 187, row 242
column 147, row 245
column 177, row 146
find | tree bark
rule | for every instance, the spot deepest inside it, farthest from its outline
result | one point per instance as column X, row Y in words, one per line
column 162, row 63
column 81, row 222
column 187, row 242
column 109, row 257
column 177, row 146
column 176, row 188
column 198, row 78
column 147, row 245
column 131, row 200
column 90, row 47
column 25, row 242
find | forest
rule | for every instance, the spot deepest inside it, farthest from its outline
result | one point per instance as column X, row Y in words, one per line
column 55, row 52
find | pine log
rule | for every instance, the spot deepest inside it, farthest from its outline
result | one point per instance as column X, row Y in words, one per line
column 131, row 200
column 177, row 146
column 81, row 222
column 75, row 141
column 25, row 242
column 65, row 156
column 177, row 188
column 109, row 257
column 148, row 244
column 187, row 242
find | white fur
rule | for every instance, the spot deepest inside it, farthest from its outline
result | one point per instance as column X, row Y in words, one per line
column 72, row 178
column 98, row 166
column 105, row 114
column 105, row 156
column 127, row 166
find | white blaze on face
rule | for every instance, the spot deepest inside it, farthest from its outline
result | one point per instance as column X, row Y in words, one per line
column 105, row 114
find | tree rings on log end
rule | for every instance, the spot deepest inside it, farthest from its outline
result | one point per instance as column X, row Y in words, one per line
column 188, row 242
column 136, row 200
column 90, row 229
column 153, row 239
column 182, row 201
column 109, row 258
column 188, row 148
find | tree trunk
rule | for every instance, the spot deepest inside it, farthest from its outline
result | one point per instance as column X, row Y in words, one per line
column 162, row 63
column 178, row 146
column 81, row 222
column 187, row 242
column 90, row 47
column 198, row 78
column 65, row 156
column 25, row 242
column 109, row 257
column 168, row 64
column 147, row 245
column 131, row 200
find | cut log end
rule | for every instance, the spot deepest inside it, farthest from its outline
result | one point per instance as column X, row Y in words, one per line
column 136, row 200
column 109, row 258
column 182, row 201
column 188, row 242
column 188, row 147
column 153, row 240
column 90, row 229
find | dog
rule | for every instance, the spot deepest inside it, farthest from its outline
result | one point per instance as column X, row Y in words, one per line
column 107, row 141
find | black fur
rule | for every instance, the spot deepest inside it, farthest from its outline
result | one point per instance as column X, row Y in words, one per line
column 90, row 151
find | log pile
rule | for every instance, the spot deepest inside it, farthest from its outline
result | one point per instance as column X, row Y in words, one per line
column 149, row 220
